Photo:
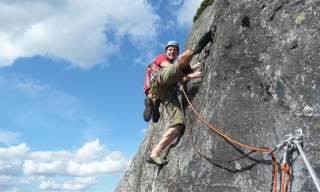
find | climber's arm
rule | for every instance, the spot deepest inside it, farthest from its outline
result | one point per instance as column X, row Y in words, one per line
column 192, row 75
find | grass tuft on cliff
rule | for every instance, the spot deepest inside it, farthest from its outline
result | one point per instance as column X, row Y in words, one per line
column 203, row 6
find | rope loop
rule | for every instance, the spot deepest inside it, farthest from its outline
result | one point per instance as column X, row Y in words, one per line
column 267, row 150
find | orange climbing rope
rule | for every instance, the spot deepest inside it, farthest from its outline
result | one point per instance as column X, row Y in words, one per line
column 285, row 177
column 233, row 141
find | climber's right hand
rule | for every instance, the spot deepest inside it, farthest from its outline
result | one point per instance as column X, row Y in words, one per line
column 194, row 75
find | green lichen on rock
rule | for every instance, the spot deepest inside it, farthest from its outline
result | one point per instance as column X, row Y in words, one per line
column 203, row 6
column 300, row 19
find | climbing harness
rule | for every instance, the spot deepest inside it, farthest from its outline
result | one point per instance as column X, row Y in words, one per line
column 154, row 81
column 288, row 145
column 151, row 81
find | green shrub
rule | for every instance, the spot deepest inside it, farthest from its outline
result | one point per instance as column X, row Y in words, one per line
column 203, row 6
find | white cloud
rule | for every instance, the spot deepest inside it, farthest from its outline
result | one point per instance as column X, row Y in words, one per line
column 8, row 137
column 12, row 159
column 56, row 163
column 176, row 2
column 84, row 32
column 31, row 86
column 90, row 150
column 110, row 164
column 13, row 152
column 47, row 156
column 78, row 184
column 20, row 161
column 7, row 182
column 34, row 167
column 18, row 190
column 187, row 11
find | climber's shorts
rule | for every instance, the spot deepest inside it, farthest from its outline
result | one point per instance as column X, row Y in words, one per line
column 167, row 91
column 174, row 111
column 171, row 75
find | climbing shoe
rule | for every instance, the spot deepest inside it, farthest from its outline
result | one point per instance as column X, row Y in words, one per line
column 156, row 112
column 157, row 161
column 204, row 40
column 147, row 109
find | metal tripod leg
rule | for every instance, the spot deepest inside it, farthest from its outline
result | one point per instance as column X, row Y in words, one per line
column 309, row 167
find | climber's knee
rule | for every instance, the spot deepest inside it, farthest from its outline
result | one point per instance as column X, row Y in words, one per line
column 171, row 132
column 184, row 60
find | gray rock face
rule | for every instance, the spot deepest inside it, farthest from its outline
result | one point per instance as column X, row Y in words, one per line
column 261, row 82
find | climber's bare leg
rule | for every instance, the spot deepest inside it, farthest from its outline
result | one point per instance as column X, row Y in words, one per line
column 167, row 138
column 184, row 59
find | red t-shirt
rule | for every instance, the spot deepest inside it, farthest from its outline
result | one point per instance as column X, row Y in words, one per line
column 155, row 66
column 158, row 60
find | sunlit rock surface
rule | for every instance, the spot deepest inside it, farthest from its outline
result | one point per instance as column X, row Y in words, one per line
column 261, row 82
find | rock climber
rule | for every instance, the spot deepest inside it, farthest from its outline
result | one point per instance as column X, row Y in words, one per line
column 165, row 78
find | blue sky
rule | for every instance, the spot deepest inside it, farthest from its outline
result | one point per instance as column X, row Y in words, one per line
column 71, row 87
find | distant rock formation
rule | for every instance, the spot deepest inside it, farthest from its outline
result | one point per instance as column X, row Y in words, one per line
column 261, row 82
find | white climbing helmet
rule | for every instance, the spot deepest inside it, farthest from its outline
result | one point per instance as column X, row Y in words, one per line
column 172, row 43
